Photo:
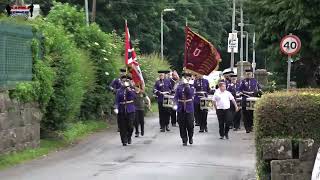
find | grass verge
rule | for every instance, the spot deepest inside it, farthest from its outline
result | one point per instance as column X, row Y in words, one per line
column 72, row 134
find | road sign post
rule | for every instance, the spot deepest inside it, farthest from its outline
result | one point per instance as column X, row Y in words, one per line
column 290, row 45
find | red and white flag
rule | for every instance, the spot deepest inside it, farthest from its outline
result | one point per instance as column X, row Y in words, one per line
column 131, row 61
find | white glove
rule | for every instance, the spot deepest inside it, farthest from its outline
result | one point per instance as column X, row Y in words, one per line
column 175, row 107
column 116, row 111
column 191, row 82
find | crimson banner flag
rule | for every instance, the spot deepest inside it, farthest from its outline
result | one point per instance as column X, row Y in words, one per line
column 200, row 56
column 131, row 61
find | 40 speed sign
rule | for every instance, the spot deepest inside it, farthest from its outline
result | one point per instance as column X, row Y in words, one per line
column 290, row 45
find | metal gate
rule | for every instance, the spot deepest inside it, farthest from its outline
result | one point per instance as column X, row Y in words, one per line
column 15, row 54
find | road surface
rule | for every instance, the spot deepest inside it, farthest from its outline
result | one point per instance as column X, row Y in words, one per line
column 156, row 156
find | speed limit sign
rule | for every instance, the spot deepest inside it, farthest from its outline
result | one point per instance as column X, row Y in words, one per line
column 290, row 45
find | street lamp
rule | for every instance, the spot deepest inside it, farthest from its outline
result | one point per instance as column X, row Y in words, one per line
column 165, row 10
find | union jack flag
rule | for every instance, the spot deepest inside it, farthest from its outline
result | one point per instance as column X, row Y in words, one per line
column 131, row 61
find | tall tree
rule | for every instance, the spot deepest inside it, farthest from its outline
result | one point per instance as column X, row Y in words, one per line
column 274, row 20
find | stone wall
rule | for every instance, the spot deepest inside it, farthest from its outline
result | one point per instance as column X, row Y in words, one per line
column 289, row 159
column 19, row 125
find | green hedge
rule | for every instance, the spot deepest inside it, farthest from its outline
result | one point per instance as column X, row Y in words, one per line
column 293, row 114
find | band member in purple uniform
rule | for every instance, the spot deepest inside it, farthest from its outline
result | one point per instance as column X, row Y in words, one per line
column 185, row 108
column 125, row 109
column 114, row 87
column 234, row 89
column 249, row 87
column 174, row 79
column 202, row 89
column 163, row 87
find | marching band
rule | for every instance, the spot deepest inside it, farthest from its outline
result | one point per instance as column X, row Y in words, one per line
column 186, row 101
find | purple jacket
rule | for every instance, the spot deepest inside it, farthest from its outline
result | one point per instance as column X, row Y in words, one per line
column 125, row 100
column 249, row 85
column 234, row 89
column 184, row 98
column 115, row 85
column 202, row 89
column 162, row 86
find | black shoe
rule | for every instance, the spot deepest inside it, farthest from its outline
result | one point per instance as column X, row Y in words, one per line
column 197, row 124
column 227, row 136
column 167, row 128
column 137, row 135
column 201, row 131
column 124, row 144
column 142, row 133
column 221, row 137
column 190, row 141
column 184, row 144
column 162, row 130
column 174, row 125
column 247, row 131
column 129, row 141
column 206, row 130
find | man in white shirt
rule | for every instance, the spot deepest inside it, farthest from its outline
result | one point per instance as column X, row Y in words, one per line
column 222, row 99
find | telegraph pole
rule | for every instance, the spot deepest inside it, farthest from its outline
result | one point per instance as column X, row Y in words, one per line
column 94, row 10
column 233, row 31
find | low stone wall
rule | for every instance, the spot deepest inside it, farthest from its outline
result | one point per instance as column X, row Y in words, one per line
column 19, row 125
column 289, row 159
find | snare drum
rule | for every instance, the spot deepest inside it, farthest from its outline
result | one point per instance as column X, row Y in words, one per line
column 168, row 101
column 206, row 103
column 251, row 102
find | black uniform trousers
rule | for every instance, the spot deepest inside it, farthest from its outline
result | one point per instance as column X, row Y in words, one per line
column 248, row 119
column 164, row 115
column 139, row 121
column 186, row 125
column 126, row 126
column 201, row 116
column 236, row 116
column 236, row 119
column 247, row 115
column 224, row 118
column 173, row 115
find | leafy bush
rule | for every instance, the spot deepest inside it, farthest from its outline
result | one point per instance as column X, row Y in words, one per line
column 150, row 65
column 292, row 114
column 103, row 50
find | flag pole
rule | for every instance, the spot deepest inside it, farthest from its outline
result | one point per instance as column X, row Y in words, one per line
column 125, row 30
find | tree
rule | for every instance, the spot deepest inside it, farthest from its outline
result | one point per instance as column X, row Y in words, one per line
column 274, row 20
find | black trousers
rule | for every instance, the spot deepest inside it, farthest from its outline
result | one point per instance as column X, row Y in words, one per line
column 200, row 116
column 197, row 113
column 126, row 126
column 236, row 119
column 164, row 115
column 248, row 119
column 173, row 115
column 139, row 121
column 224, row 118
column 186, row 125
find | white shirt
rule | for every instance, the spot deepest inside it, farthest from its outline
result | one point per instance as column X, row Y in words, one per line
column 223, row 99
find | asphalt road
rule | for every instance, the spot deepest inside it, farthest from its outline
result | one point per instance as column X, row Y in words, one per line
column 156, row 156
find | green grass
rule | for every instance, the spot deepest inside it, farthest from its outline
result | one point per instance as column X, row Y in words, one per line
column 72, row 134
column 81, row 129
